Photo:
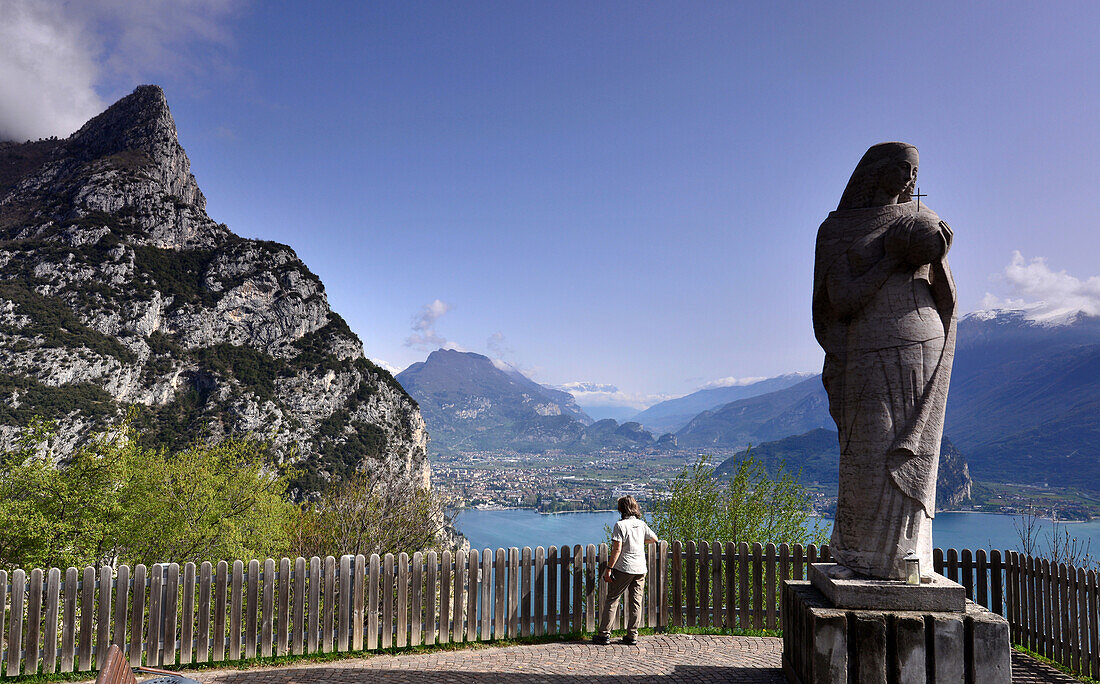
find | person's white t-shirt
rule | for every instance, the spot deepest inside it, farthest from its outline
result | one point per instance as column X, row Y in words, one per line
column 632, row 533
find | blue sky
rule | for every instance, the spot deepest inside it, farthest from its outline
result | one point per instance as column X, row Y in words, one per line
column 614, row 193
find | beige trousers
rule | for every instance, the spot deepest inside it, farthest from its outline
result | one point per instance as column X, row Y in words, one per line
column 632, row 585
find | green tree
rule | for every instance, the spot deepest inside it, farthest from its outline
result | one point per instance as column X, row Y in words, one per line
column 114, row 500
column 371, row 512
column 749, row 507
column 215, row 501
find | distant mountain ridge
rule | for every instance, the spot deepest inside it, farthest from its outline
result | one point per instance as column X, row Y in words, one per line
column 471, row 403
column 793, row 410
column 1024, row 403
column 814, row 457
column 674, row 414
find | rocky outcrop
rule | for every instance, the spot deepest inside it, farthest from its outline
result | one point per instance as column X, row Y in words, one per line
column 118, row 289
column 953, row 483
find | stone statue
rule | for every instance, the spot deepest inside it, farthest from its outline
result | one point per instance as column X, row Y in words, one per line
column 884, row 311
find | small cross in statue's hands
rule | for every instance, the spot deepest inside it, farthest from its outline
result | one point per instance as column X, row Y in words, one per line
column 918, row 195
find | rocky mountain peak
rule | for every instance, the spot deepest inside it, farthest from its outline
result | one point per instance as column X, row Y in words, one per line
column 116, row 289
column 140, row 124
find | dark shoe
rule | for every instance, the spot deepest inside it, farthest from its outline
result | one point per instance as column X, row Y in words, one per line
column 629, row 640
column 601, row 640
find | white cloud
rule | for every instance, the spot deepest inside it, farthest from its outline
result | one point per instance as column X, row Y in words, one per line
column 730, row 381
column 1047, row 296
column 394, row 370
column 497, row 345
column 424, row 335
column 602, row 394
column 57, row 56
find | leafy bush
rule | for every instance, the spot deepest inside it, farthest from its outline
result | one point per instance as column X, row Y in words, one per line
column 750, row 507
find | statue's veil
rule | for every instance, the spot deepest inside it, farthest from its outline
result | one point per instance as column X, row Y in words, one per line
column 861, row 186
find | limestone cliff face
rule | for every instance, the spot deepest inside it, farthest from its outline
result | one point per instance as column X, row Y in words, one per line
column 116, row 288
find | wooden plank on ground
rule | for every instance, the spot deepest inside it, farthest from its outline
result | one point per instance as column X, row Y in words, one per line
column 981, row 578
column 539, row 589
column 757, row 586
column 87, row 620
column 486, row 594
column 1080, row 620
column 103, row 622
column 552, row 590
column 168, row 610
column 51, row 630
column 298, row 621
column 690, row 561
column 267, row 624
column 313, row 610
column 677, row 583
column 591, row 580
column 221, row 580
column 374, row 579
column 743, row 572
column 236, row 596
column 662, row 579
column 731, row 584
column 458, row 600
column 513, row 591
column 717, row 614
column 966, row 570
column 15, row 621
column 386, row 626
column 703, row 578
column 402, row 639
column 769, row 585
column 564, row 563
column 282, row 618
column 331, row 605
column 1092, row 580
column 416, row 609
column 578, row 588
column 432, row 592
column 71, row 591
column 358, row 601
column 343, row 629
column 33, row 638
column 202, row 646
column 252, row 608
column 3, row 603
column 525, row 591
column 187, row 624
column 473, row 561
column 445, row 597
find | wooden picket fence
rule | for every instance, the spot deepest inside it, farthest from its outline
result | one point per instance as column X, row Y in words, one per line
column 178, row 615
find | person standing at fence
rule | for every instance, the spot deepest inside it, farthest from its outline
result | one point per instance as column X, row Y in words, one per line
column 626, row 569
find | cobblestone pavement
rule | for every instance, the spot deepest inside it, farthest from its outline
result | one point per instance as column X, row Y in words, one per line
column 1027, row 670
column 658, row 659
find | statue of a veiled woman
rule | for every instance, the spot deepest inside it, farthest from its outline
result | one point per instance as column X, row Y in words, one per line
column 884, row 311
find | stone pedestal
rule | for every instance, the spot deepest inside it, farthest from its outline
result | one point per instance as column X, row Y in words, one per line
column 938, row 594
column 825, row 644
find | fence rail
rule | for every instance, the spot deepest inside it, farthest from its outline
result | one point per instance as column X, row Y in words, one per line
column 54, row 621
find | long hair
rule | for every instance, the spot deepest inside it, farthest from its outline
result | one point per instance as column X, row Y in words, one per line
column 628, row 507
column 865, row 179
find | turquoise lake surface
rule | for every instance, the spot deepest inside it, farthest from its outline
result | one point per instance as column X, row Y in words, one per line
column 520, row 527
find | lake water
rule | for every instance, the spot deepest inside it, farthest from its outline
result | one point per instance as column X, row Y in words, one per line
column 519, row 528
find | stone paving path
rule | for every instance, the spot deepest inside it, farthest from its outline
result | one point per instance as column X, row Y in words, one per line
column 658, row 659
